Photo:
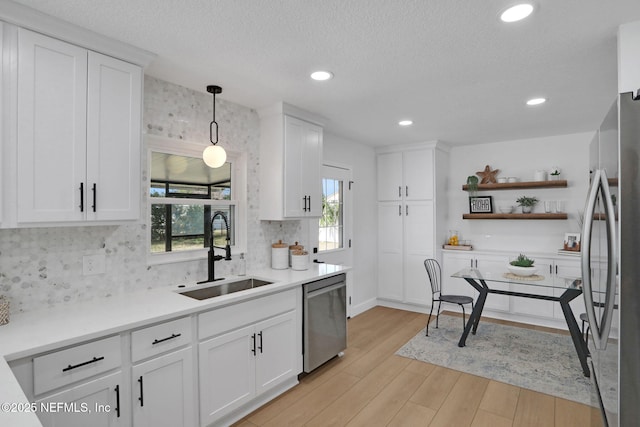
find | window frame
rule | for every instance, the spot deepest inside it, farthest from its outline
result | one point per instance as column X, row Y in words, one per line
column 238, row 162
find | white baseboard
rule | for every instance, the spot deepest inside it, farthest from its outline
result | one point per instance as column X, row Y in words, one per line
column 362, row 307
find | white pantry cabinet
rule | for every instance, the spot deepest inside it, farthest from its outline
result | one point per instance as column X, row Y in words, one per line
column 410, row 207
column 290, row 164
column 78, row 138
column 406, row 175
column 242, row 364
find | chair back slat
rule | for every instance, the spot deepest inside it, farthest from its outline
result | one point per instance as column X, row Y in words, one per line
column 433, row 271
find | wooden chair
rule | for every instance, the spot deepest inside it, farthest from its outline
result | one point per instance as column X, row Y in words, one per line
column 435, row 277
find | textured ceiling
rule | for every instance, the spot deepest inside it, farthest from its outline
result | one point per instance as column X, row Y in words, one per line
column 449, row 65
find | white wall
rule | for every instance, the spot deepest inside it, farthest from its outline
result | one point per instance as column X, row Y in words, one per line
column 362, row 160
column 521, row 158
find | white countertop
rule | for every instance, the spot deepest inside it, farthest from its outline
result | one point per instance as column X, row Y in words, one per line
column 45, row 330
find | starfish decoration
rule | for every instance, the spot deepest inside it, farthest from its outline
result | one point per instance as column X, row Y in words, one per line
column 488, row 176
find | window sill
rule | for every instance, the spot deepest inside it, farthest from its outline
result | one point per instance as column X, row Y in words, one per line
column 186, row 256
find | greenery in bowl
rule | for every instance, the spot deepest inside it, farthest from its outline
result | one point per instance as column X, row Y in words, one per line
column 522, row 261
column 527, row 201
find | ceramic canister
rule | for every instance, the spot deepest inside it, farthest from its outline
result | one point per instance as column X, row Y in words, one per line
column 293, row 248
column 299, row 260
column 540, row 175
column 279, row 256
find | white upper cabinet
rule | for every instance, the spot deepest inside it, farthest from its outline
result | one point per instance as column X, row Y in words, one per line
column 629, row 57
column 290, row 164
column 78, row 135
column 113, row 138
column 52, row 128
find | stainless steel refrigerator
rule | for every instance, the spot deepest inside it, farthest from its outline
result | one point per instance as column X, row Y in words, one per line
column 611, row 265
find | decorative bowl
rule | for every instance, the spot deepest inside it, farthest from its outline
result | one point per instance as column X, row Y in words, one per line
column 522, row 271
column 505, row 209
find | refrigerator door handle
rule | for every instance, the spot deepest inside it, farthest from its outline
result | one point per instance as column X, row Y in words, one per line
column 599, row 330
column 612, row 266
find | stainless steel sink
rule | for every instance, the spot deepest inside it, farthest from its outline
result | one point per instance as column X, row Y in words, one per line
column 225, row 288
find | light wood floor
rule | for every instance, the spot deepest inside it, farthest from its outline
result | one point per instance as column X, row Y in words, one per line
column 370, row 386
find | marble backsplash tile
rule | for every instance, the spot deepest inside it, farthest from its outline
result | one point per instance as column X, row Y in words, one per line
column 42, row 267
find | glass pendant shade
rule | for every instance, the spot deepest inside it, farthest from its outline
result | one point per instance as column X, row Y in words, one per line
column 214, row 156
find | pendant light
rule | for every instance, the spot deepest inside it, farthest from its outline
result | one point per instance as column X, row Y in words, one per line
column 214, row 155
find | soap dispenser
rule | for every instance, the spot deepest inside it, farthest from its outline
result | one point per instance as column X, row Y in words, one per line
column 242, row 266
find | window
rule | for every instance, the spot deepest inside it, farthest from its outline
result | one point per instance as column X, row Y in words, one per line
column 331, row 227
column 184, row 195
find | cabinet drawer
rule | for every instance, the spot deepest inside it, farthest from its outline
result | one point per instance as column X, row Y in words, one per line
column 234, row 316
column 76, row 363
column 160, row 338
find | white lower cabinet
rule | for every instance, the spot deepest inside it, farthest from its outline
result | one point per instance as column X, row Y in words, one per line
column 96, row 403
column 162, row 391
column 237, row 366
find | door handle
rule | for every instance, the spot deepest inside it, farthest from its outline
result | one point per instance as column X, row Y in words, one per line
column 81, row 197
column 399, row 191
column 253, row 349
column 260, row 346
column 95, row 193
column 141, row 398
column 406, row 191
column 118, row 400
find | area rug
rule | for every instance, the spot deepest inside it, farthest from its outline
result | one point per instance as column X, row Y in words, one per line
column 535, row 360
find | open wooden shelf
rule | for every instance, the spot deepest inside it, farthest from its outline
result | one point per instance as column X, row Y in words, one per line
column 519, row 185
column 515, row 216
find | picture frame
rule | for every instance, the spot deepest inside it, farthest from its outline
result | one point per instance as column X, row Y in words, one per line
column 571, row 242
column 481, row 204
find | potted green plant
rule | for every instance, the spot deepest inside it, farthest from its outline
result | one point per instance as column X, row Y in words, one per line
column 527, row 203
column 472, row 185
column 555, row 173
column 522, row 266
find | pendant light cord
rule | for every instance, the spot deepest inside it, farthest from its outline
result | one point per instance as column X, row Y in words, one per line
column 213, row 122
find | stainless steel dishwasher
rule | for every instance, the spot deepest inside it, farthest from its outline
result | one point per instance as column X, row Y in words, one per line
column 325, row 320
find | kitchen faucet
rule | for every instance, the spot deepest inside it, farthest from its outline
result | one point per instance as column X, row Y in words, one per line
column 212, row 258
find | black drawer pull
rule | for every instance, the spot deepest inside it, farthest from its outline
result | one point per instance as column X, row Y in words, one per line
column 165, row 339
column 94, row 360
column 94, row 189
column 82, row 197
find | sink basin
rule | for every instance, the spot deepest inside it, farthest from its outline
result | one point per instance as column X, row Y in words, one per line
column 225, row 288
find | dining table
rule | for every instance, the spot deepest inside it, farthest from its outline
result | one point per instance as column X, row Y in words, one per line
column 487, row 281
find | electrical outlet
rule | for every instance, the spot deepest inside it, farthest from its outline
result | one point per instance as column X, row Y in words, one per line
column 93, row 264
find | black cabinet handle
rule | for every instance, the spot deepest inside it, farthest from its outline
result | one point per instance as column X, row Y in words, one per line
column 94, row 360
column 309, row 203
column 95, row 192
column 556, row 270
column 399, row 191
column 118, row 401
column 253, row 349
column 82, row 197
column 141, row 398
column 406, row 210
column 399, row 210
column 260, row 346
column 406, row 191
column 304, row 199
column 165, row 339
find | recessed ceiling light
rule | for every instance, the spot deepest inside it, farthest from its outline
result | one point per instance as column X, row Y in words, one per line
column 517, row 12
column 536, row 101
column 321, row 75
column 405, row 122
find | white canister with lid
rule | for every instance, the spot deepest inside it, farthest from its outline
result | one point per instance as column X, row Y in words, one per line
column 299, row 260
column 279, row 256
column 540, row 175
column 293, row 248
